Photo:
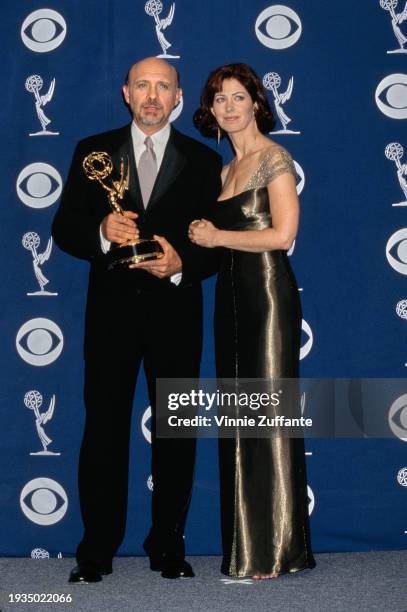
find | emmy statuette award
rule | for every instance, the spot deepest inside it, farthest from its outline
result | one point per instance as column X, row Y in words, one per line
column 98, row 166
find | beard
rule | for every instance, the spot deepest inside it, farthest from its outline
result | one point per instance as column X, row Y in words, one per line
column 149, row 118
column 152, row 121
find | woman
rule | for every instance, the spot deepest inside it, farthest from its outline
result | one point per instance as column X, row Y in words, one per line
column 265, row 529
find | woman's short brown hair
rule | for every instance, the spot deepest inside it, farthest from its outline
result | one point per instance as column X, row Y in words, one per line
column 203, row 118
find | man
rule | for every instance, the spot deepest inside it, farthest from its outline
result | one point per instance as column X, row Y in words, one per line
column 152, row 312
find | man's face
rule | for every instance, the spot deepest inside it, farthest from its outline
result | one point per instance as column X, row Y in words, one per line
column 152, row 93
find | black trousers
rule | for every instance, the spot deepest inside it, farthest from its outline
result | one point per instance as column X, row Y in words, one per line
column 165, row 330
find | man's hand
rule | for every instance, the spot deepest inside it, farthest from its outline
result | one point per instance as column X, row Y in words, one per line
column 120, row 228
column 164, row 267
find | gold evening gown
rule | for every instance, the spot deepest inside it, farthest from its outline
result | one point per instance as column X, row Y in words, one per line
column 264, row 508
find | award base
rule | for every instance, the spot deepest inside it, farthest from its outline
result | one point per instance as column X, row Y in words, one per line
column 133, row 252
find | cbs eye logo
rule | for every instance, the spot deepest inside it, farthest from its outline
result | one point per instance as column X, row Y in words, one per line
column 278, row 27
column 301, row 176
column 39, row 342
column 43, row 501
column 177, row 110
column 43, row 30
column 311, row 500
column 146, row 432
column 396, row 251
column 39, row 185
column 391, row 96
column 398, row 418
column 308, row 336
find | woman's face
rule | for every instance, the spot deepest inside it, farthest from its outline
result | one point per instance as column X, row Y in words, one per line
column 233, row 107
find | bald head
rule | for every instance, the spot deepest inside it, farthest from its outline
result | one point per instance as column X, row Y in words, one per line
column 152, row 92
column 154, row 64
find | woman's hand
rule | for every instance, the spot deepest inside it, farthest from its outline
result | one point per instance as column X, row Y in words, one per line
column 203, row 233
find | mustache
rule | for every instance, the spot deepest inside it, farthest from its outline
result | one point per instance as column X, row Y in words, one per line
column 151, row 102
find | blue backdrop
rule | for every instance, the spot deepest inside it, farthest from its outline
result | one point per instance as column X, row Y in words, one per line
column 336, row 75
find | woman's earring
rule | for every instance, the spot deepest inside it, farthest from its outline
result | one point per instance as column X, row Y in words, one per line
column 219, row 135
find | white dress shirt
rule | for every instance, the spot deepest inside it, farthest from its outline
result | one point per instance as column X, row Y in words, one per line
column 160, row 140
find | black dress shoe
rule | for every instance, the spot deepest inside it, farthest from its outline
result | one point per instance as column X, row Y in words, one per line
column 86, row 572
column 156, row 563
column 176, row 568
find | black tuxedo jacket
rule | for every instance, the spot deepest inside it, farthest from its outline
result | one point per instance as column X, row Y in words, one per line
column 186, row 188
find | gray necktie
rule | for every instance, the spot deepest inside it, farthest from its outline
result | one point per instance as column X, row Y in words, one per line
column 147, row 170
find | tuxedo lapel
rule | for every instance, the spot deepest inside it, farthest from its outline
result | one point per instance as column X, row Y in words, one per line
column 172, row 164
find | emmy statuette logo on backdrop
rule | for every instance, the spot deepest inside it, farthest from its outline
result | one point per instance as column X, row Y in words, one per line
column 34, row 84
column 33, row 401
column 272, row 82
column 154, row 8
column 402, row 477
column 31, row 242
column 39, row 553
column 394, row 151
column 401, row 309
column 396, row 20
